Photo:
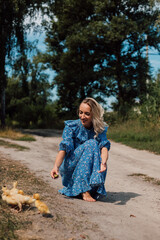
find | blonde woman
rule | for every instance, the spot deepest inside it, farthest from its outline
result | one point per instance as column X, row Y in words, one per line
column 83, row 153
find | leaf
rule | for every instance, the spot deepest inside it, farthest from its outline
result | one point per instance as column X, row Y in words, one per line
column 131, row 215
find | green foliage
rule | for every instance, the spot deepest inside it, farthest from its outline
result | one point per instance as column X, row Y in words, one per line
column 150, row 109
column 111, row 118
column 126, row 27
column 26, row 103
column 97, row 49
column 12, row 36
column 69, row 41
column 135, row 134
column 141, row 130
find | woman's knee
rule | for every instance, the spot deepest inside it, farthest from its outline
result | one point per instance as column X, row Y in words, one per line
column 91, row 143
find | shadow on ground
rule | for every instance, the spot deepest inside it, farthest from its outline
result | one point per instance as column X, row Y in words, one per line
column 119, row 198
column 44, row 132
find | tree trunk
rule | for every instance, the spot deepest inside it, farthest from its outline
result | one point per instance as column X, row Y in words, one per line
column 3, row 39
column 119, row 79
column 3, row 108
column 2, row 77
column 2, row 87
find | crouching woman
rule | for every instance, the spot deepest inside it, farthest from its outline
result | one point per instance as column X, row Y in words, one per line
column 83, row 153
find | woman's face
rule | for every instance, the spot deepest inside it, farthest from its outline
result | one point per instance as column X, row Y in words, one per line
column 85, row 115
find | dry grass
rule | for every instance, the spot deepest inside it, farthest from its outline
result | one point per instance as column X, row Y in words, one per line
column 146, row 178
column 15, row 135
column 11, row 222
column 66, row 221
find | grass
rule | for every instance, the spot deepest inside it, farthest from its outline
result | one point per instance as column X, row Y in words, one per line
column 16, row 135
column 12, row 145
column 10, row 221
column 146, row 178
column 136, row 135
column 28, row 224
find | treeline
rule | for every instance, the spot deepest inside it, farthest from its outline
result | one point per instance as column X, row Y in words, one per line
column 96, row 48
column 28, row 95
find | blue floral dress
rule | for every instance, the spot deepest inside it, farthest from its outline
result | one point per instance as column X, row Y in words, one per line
column 79, row 170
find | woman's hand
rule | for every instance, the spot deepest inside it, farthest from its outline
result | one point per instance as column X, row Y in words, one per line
column 104, row 158
column 55, row 172
column 103, row 167
column 58, row 162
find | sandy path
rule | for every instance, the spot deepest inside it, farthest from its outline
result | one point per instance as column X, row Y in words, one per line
column 132, row 208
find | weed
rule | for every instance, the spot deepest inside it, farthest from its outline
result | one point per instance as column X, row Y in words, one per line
column 146, row 178
column 136, row 135
column 9, row 222
column 13, row 145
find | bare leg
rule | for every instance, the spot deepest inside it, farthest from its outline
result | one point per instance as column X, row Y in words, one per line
column 87, row 197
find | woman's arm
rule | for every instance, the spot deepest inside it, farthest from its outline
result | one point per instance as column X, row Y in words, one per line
column 65, row 147
column 58, row 162
column 104, row 157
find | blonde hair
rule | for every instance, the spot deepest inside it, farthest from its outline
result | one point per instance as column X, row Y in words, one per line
column 97, row 115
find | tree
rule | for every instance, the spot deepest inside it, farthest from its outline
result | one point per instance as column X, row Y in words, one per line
column 97, row 49
column 71, row 58
column 28, row 91
column 12, row 34
column 150, row 109
column 127, row 23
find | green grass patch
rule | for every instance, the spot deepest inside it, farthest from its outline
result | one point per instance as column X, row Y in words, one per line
column 13, row 145
column 27, row 138
column 134, row 134
column 16, row 135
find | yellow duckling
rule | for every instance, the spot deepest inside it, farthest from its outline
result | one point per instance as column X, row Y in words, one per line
column 16, row 197
column 41, row 206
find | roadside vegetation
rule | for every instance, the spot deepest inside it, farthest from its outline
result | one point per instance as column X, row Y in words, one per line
column 134, row 134
column 29, row 224
column 9, row 133
column 140, row 127
column 10, row 220
column 13, row 145
column 146, row 178
column 88, row 59
column 15, row 135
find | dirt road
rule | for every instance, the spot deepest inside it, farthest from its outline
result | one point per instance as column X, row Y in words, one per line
column 131, row 210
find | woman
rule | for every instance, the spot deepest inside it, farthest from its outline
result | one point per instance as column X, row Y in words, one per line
column 83, row 153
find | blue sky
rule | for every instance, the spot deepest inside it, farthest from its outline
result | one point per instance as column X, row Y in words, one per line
column 154, row 59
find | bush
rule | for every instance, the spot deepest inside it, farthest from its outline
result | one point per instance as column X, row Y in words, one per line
column 150, row 109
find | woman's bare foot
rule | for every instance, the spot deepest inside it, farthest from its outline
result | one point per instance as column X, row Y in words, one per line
column 87, row 197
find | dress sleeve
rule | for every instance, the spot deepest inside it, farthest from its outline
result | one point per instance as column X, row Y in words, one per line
column 67, row 144
column 104, row 142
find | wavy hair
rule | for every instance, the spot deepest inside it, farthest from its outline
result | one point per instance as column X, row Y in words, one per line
column 97, row 115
